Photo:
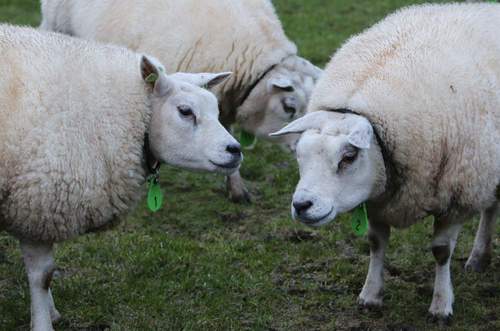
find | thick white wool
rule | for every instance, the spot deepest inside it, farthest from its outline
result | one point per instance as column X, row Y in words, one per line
column 245, row 37
column 72, row 127
column 428, row 78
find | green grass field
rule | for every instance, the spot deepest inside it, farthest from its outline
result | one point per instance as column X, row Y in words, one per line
column 203, row 263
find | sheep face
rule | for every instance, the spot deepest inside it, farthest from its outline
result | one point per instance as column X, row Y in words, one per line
column 340, row 165
column 279, row 98
column 185, row 130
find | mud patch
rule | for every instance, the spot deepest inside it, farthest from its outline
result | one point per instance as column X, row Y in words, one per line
column 94, row 327
column 298, row 236
column 417, row 277
column 231, row 217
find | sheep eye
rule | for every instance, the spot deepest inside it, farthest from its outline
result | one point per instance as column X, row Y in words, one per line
column 348, row 158
column 185, row 111
column 289, row 109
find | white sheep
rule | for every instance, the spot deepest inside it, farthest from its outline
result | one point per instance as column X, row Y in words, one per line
column 407, row 118
column 271, row 85
column 80, row 129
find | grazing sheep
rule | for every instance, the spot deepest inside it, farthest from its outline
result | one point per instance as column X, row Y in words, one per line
column 80, row 129
column 407, row 118
column 271, row 85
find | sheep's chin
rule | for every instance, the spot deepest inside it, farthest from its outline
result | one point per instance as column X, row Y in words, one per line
column 316, row 222
column 223, row 169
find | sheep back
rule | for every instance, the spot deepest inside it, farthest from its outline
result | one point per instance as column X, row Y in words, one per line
column 242, row 36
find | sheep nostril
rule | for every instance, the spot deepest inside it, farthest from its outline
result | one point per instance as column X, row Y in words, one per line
column 233, row 149
column 302, row 206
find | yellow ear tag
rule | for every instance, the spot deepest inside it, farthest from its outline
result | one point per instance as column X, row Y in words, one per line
column 155, row 195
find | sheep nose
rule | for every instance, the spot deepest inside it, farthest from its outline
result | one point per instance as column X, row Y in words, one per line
column 234, row 149
column 302, row 206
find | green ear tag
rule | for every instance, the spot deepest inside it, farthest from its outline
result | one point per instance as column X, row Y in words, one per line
column 155, row 195
column 360, row 220
column 151, row 78
column 247, row 140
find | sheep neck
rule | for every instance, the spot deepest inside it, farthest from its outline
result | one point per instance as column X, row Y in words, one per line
column 152, row 163
column 247, row 93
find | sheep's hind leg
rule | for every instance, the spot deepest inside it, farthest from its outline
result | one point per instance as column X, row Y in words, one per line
column 55, row 316
column 480, row 257
column 236, row 188
column 371, row 295
column 39, row 263
column 443, row 245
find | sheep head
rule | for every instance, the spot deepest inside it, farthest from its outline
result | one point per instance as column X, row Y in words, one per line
column 185, row 130
column 280, row 96
column 340, row 162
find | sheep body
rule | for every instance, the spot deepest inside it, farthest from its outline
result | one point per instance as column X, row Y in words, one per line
column 427, row 78
column 53, row 120
column 81, row 125
column 417, row 97
column 244, row 37
column 270, row 86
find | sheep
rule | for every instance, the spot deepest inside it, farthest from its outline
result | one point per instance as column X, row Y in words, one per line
column 81, row 127
column 407, row 119
column 271, row 85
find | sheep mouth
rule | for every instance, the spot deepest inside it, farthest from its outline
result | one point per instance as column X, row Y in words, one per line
column 228, row 166
column 317, row 220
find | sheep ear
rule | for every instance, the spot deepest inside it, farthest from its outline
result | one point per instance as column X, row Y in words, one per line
column 281, row 83
column 361, row 134
column 205, row 80
column 314, row 120
column 154, row 75
column 316, row 72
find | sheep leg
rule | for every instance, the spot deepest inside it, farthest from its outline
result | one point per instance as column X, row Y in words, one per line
column 235, row 185
column 55, row 316
column 443, row 245
column 39, row 263
column 236, row 188
column 480, row 256
column 371, row 295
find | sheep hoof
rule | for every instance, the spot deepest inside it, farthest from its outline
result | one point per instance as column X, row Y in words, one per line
column 370, row 305
column 242, row 197
column 440, row 320
column 478, row 263
column 55, row 316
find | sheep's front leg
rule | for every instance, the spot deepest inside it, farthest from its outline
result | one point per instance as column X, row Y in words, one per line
column 480, row 256
column 443, row 245
column 236, row 188
column 39, row 263
column 371, row 295
column 235, row 185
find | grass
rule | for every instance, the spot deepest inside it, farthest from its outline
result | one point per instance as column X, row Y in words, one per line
column 205, row 264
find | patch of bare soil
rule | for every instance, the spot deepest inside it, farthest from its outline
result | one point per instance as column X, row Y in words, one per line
column 298, row 236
